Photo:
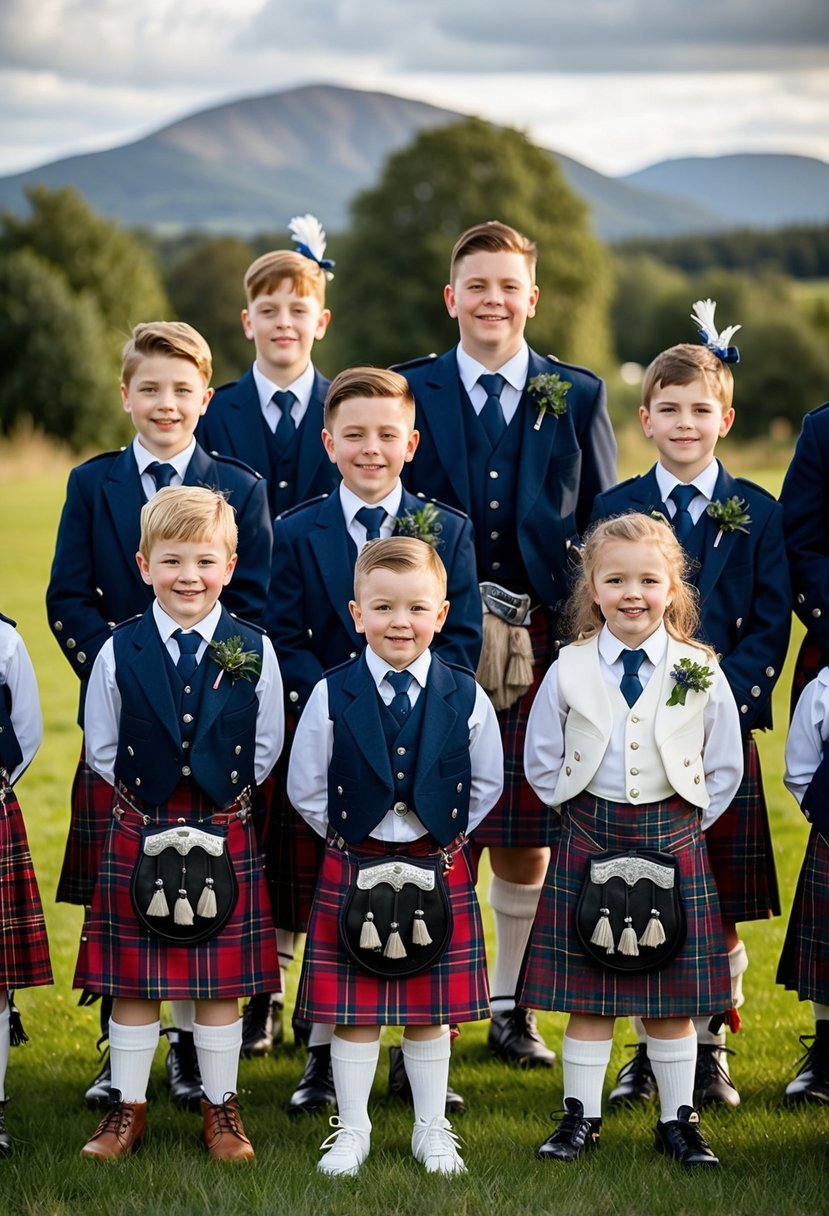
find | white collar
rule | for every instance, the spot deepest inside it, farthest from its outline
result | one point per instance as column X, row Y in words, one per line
column 351, row 503
column 378, row 667
column 144, row 458
column 611, row 649
column 302, row 387
column 514, row 370
column 167, row 626
column 704, row 483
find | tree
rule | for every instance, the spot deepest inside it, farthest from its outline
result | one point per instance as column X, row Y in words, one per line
column 205, row 283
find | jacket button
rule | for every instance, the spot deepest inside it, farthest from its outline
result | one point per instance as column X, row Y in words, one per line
column 634, row 747
column 339, row 790
column 234, row 777
column 634, row 772
column 496, row 565
column 130, row 752
column 401, row 751
column 770, row 672
column 400, row 809
column 494, row 535
column 801, row 598
column 353, row 654
column 187, row 688
column 185, row 743
column 815, row 613
column 71, row 643
column 687, row 763
column 293, row 696
column 756, row 690
column 634, row 719
column 743, row 709
column 454, row 812
column 568, row 770
column 696, row 779
column 343, row 815
column 187, row 718
column 493, row 474
column 283, row 485
column 186, row 770
column 137, row 780
column 633, row 793
column 494, row 504
column 577, row 755
column 459, row 787
column 401, row 776
column 237, row 751
column 738, row 621
column 58, row 626
column 81, row 657
column 310, row 632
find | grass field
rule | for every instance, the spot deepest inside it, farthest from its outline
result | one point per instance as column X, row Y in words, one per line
column 773, row 1158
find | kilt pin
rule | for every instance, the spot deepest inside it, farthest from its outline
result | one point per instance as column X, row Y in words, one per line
column 24, row 946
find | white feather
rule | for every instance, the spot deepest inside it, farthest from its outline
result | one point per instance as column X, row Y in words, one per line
column 307, row 230
column 703, row 315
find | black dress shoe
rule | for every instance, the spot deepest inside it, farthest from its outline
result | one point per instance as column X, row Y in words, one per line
column 97, row 1094
column 302, row 1031
column 515, row 1036
column 261, row 1025
column 183, row 1074
column 574, row 1135
column 682, row 1139
column 315, row 1093
column 635, row 1082
column 400, row 1088
column 5, row 1138
column 712, row 1083
column 812, row 1081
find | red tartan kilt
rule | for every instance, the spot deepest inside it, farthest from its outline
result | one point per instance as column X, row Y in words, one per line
column 24, row 946
column 740, row 849
column 810, row 659
column 557, row 974
column 119, row 957
column 292, row 850
column 804, row 963
column 332, row 989
column 88, row 824
column 518, row 819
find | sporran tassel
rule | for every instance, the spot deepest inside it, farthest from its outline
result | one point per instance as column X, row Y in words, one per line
column 158, row 905
column 369, row 937
column 183, row 914
column 603, row 934
column 420, row 934
column 394, row 946
column 627, row 942
column 654, row 934
column 207, row 900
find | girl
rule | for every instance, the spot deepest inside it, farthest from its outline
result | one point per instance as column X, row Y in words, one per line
column 635, row 739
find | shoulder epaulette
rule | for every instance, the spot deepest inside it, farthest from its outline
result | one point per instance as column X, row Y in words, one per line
column 223, row 458
column 330, row 671
column 442, row 506
column 620, row 485
column 422, row 361
column 8, row 620
column 752, row 485
column 222, row 387
column 101, row 456
column 247, row 624
column 574, row 367
column 301, row 506
column 131, row 620
column 817, row 410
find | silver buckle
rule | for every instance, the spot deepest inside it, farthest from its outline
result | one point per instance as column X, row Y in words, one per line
column 510, row 607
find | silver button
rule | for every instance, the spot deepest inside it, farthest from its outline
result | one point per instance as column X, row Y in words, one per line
column 343, row 815
column 187, row 688
column 234, row 777
column 696, row 779
column 634, row 747
column 687, row 763
column 743, row 709
column 633, row 793
column 186, row 770
column 185, row 743
column 454, row 812
column 283, row 485
column 496, row 565
column 770, row 672
column 815, row 613
column 310, row 632
column 81, row 657
column 400, row 808
column 137, row 780
column 98, row 591
column 401, row 751
column 568, row 770
column 494, row 504
column 493, row 474
column 339, row 790
column 58, row 626
column 237, row 751
column 738, row 621
column 577, row 755
column 494, row 535
column 634, row 772
column 801, row 598
column 756, row 690
column 353, row 654
column 401, row 776
column 130, row 752
column 459, row 788
column 71, row 643
column 293, row 696
column 187, row 718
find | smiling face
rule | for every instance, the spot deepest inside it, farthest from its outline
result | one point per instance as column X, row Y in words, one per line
column 685, row 421
column 370, row 440
column 284, row 325
column 632, row 586
column 399, row 612
column 165, row 398
column 187, row 576
column 491, row 296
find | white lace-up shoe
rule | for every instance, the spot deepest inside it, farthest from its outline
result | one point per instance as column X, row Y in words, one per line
column 347, row 1149
column 435, row 1146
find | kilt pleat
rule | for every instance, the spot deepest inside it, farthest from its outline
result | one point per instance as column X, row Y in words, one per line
column 804, row 962
column 119, row 957
column 24, row 945
column 333, row 989
column 292, row 851
column 88, row 823
column 557, row 974
column 740, row 849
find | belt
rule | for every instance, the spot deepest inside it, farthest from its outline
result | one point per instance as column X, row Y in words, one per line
column 125, row 808
column 511, row 606
column 424, row 846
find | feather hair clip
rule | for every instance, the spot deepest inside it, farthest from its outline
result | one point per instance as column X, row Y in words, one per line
column 309, row 235
column 703, row 316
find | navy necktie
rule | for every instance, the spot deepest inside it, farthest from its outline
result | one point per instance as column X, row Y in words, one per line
column 286, row 427
column 682, row 521
column 162, row 474
column 630, row 683
column 188, row 644
column 492, row 414
column 372, row 519
column 400, row 704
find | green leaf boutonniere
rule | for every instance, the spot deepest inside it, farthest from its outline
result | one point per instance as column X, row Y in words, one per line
column 423, row 524
column 549, row 392
column 731, row 515
column 239, row 664
column 688, row 677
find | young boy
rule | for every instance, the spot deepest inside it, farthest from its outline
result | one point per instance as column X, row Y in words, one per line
column 369, row 435
column 183, row 718
column 272, row 417
column 395, row 728
column 527, row 479
column 95, row 582
column 732, row 530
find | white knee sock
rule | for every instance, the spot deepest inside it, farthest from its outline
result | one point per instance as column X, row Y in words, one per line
column 217, row 1051
column 707, row 1036
column 821, row 1012
column 514, row 906
column 584, row 1064
column 182, row 1013
column 427, row 1067
column 320, row 1035
column 5, row 1040
column 737, row 966
column 131, row 1051
column 354, row 1066
column 674, row 1063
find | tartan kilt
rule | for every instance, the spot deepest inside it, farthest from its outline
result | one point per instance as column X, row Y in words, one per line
column 557, row 973
column 24, row 946
column 88, row 824
column 518, row 819
column 333, row 989
column 810, row 659
column 740, row 849
column 804, row 962
column 119, row 957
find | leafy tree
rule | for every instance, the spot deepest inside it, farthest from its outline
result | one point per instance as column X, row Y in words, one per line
column 205, row 283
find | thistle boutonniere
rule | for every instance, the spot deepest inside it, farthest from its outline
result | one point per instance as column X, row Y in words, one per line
column 688, row 677
column 423, row 524
column 731, row 515
column 239, row 664
column 549, row 392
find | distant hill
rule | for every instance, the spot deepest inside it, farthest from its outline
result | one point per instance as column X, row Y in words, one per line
column 247, row 166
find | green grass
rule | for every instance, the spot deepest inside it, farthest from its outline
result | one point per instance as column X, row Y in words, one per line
column 773, row 1159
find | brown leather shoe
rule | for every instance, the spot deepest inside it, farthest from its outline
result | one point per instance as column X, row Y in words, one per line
column 223, row 1135
column 120, row 1131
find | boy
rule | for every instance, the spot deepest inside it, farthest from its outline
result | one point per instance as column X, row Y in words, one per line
column 95, row 582
column 732, row 532
column 272, row 417
column 183, row 732
column 395, row 727
column 527, row 480
column 369, row 435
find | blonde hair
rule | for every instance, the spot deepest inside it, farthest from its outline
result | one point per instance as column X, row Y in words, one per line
column 368, row 382
column 281, row 266
column 685, row 363
column 174, row 340
column 187, row 514
column 493, row 237
column 401, row 554
column 583, row 615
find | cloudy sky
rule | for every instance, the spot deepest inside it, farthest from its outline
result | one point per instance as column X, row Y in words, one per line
column 615, row 83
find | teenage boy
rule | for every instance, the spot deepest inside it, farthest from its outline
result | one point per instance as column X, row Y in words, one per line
column 528, row 487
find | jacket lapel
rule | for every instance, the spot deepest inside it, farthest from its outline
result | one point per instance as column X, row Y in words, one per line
column 151, row 673
column 445, row 421
column 242, row 424
column 312, row 456
column 214, row 699
column 715, row 556
column 330, row 544
column 669, row 719
column 362, row 716
column 125, row 498
column 438, row 718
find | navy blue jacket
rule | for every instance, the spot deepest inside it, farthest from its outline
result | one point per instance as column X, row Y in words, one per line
column 805, row 499
column 743, row 584
column 312, row 581
column 564, row 464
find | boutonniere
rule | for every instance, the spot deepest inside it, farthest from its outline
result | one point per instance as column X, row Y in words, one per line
column 655, row 513
column 731, row 515
column 549, row 392
column 688, row 677
column 239, row 664
column 423, row 524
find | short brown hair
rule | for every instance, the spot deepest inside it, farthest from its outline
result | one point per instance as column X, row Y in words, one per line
column 285, row 265
column 187, row 514
column 368, row 382
column 400, row 554
column 685, row 363
column 174, row 340
column 493, row 237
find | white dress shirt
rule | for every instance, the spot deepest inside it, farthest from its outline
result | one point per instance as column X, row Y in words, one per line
column 808, row 733
column 314, row 743
column 302, row 388
column 351, row 504
column 704, row 483
column 514, row 372
column 143, row 459
column 17, row 673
